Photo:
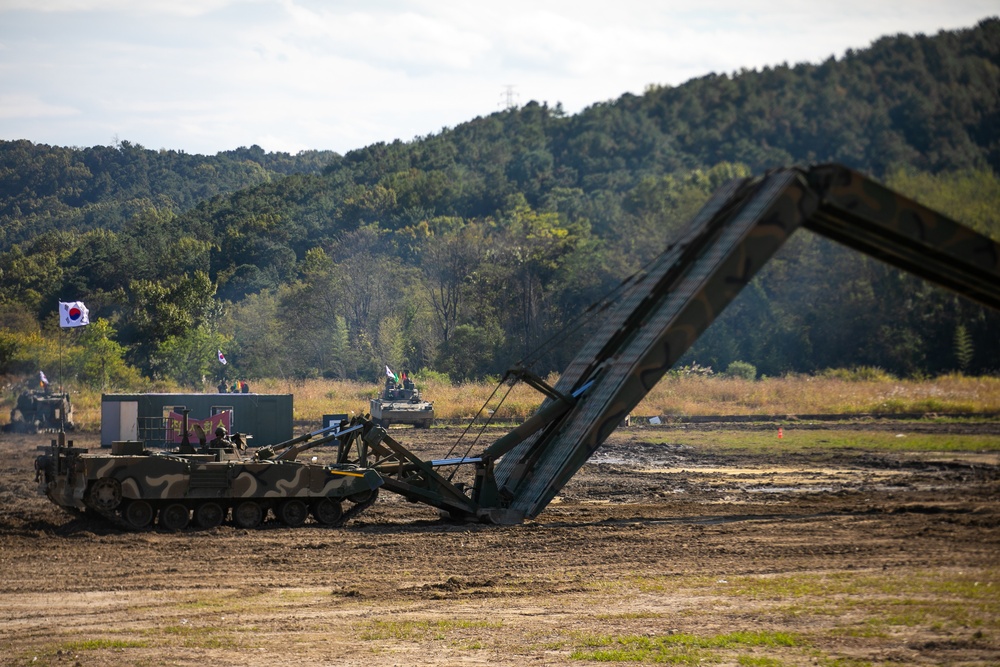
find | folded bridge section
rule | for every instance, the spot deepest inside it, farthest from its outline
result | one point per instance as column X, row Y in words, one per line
column 666, row 308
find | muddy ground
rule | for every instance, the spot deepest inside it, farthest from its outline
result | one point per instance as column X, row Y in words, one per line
column 655, row 552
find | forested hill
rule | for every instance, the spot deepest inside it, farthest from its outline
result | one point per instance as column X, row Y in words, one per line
column 48, row 187
column 461, row 251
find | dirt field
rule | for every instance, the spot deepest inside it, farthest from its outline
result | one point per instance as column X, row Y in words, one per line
column 657, row 551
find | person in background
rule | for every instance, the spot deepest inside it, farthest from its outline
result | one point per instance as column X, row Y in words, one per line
column 244, row 387
column 222, row 386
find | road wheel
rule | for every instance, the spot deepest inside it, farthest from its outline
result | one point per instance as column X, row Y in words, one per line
column 174, row 517
column 293, row 512
column 361, row 496
column 248, row 514
column 327, row 511
column 209, row 515
column 138, row 514
column 105, row 494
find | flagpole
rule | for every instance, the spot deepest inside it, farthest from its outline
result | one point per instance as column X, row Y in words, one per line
column 71, row 314
column 60, row 360
column 62, row 412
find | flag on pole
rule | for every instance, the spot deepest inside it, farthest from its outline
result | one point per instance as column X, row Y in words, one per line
column 390, row 374
column 41, row 378
column 73, row 314
column 222, row 358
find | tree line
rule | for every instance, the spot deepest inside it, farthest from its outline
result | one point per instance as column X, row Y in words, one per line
column 462, row 251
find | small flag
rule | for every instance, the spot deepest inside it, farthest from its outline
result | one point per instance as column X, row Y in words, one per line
column 222, row 358
column 41, row 377
column 73, row 314
column 389, row 373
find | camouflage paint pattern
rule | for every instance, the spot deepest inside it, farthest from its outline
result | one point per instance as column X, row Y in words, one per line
column 191, row 478
column 868, row 217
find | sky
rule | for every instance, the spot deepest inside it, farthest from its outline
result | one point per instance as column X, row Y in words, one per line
column 203, row 76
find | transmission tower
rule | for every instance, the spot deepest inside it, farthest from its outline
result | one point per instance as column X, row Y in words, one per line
column 508, row 98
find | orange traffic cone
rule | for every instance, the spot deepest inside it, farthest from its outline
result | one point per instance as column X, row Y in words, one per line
column 781, row 434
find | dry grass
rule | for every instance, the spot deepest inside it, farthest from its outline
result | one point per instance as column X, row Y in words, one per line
column 798, row 395
column 683, row 396
column 314, row 398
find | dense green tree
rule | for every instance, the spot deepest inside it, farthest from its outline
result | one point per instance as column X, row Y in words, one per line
column 463, row 251
column 448, row 262
column 157, row 312
column 101, row 359
column 48, row 187
column 257, row 338
column 190, row 358
column 468, row 354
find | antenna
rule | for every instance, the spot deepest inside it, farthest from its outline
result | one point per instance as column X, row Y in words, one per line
column 508, row 98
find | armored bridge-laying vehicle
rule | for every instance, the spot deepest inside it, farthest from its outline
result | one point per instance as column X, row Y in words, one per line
column 133, row 487
column 645, row 327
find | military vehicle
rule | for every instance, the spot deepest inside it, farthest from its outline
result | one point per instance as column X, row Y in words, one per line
column 40, row 410
column 133, row 487
column 400, row 403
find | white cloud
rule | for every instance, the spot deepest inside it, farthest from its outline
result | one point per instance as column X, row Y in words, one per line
column 209, row 75
column 23, row 105
column 173, row 7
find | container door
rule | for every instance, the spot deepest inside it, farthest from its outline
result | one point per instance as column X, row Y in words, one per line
column 110, row 422
column 128, row 419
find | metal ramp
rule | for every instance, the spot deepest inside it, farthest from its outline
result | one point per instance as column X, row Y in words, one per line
column 665, row 309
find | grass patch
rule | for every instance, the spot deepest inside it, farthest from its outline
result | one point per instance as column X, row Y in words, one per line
column 678, row 648
column 628, row 616
column 104, row 643
column 842, row 662
column 200, row 636
column 966, row 587
column 185, row 630
column 803, row 440
column 421, row 630
column 754, row 661
column 222, row 602
column 825, row 394
column 939, row 600
column 301, row 596
column 858, row 604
